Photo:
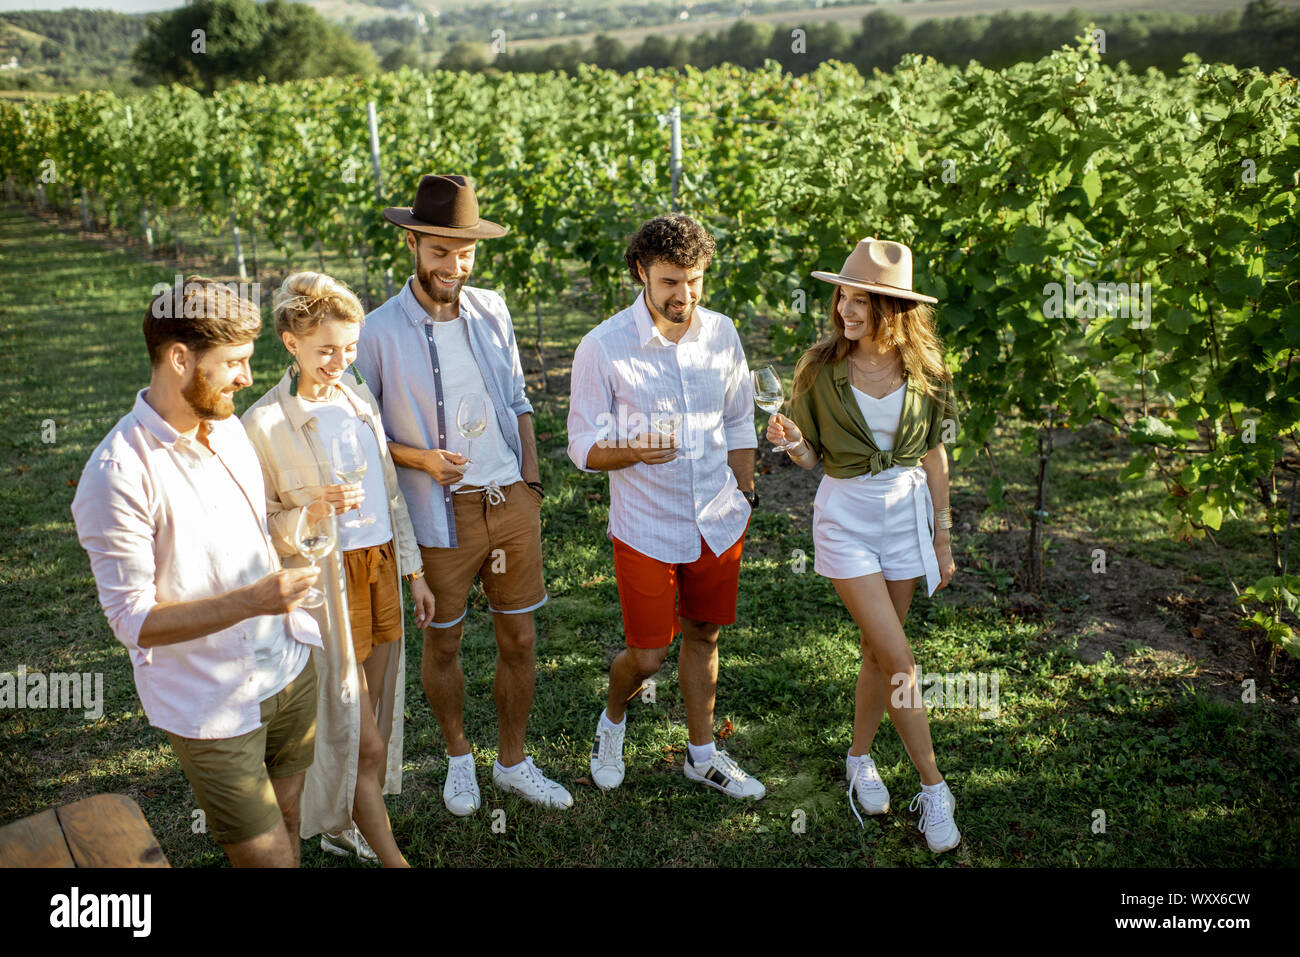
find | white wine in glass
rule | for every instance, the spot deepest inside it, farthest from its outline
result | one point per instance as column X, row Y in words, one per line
column 768, row 395
column 471, row 419
column 315, row 538
column 348, row 458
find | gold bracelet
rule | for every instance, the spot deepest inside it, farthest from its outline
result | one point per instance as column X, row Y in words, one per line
column 414, row 576
column 943, row 517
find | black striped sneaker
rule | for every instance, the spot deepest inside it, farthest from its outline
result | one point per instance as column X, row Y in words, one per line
column 725, row 775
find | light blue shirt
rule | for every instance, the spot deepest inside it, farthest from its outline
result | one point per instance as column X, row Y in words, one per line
column 398, row 360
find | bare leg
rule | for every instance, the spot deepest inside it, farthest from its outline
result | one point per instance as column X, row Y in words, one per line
column 269, row 849
column 628, row 673
column 513, row 687
column 444, row 685
column 278, row 847
column 368, row 810
column 868, row 601
column 873, row 684
column 697, row 673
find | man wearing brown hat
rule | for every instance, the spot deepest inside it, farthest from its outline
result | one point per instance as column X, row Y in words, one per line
column 441, row 359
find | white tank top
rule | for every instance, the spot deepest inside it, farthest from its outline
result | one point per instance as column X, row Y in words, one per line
column 882, row 415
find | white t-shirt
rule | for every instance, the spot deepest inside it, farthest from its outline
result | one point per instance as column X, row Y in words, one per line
column 882, row 415
column 492, row 460
column 330, row 419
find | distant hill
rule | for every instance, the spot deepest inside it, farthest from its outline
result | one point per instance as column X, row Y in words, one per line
column 68, row 49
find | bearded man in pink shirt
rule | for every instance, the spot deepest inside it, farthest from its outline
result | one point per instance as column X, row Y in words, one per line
column 171, row 510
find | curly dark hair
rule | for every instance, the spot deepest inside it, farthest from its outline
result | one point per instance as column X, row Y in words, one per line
column 676, row 238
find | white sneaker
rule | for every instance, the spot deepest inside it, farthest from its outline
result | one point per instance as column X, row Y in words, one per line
column 937, row 822
column 725, row 775
column 531, row 785
column 348, row 842
column 460, row 793
column 607, row 767
column 864, row 780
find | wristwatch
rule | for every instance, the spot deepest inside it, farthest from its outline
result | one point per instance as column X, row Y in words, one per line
column 751, row 498
column 538, row 487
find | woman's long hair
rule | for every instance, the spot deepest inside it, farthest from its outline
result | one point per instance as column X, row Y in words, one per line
column 904, row 323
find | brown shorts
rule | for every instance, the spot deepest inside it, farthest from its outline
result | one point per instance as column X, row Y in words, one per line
column 499, row 544
column 231, row 777
column 374, row 597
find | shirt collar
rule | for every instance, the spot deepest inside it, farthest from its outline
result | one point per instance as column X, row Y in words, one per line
column 299, row 412
column 647, row 330
column 163, row 430
column 148, row 417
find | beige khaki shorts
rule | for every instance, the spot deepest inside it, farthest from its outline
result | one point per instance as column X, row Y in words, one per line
column 501, row 545
column 231, row 777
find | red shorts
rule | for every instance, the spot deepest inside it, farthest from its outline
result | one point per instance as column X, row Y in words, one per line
column 648, row 590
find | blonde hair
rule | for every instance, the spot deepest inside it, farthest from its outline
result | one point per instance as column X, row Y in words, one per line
column 904, row 323
column 306, row 299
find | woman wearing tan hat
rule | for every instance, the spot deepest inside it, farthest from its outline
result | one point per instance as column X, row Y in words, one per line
column 872, row 401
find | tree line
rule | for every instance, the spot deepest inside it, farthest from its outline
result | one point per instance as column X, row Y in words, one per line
column 1262, row 35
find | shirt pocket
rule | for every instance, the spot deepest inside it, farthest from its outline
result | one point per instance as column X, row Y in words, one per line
column 297, row 487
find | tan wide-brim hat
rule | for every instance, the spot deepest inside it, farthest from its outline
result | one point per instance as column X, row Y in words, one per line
column 878, row 265
column 445, row 206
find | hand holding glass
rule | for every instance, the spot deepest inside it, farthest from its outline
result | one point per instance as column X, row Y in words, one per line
column 349, row 461
column 315, row 537
column 769, row 396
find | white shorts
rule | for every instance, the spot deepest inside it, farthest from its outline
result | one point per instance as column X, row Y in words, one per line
column 882, row 523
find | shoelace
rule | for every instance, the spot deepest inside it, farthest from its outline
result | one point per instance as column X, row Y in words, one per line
column 869, row 780
column 933, row 809
column 722, row 761
column 607, row 747
column 362, row 845
column 462, row 777
column 537, row 778
column 492, row 492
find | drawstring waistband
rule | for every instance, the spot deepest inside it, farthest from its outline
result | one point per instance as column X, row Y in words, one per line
column 492, row 492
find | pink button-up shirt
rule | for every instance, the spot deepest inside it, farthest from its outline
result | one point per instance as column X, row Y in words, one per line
column 163, row 519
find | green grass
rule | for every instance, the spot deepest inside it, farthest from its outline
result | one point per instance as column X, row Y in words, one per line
column 1184, row 778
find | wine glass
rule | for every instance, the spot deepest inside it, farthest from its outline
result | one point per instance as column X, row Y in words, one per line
column 666, row 421
column 769, row 396
column 471, row 419
column 315, row 537
column 349, row 461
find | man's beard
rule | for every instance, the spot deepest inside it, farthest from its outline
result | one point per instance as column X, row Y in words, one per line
column 206, row 401
column 435, row 290
column 669, row 314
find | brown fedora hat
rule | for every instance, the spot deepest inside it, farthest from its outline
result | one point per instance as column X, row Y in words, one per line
column 878, row 265
column 444, row 206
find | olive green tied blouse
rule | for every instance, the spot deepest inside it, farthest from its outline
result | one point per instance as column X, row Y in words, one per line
column 831, row 420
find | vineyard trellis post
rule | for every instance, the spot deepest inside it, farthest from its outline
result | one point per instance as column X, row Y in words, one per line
column 372, row 120
column 675, row 150
column 85, row 211
column 239, row 250
column 541, row 355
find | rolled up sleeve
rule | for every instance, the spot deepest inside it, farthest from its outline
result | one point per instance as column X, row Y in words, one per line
column 591, row 400
column 738, row 405
column 112, row 516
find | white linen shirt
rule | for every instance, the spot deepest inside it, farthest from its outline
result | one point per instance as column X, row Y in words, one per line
column 623, row 371
column 144, row 515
